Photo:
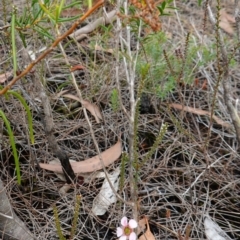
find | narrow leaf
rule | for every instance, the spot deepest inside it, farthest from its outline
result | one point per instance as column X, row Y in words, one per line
column 14, row 51
column 13, row 145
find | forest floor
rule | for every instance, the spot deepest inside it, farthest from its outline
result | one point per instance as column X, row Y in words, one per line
column 194, row 170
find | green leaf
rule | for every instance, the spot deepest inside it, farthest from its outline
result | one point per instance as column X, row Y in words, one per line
column 29, row 115
column 13, row 145
column 14, row 51
column 114, row 100
column 47, row 12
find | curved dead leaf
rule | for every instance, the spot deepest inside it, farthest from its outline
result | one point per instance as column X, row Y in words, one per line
column 91, row 107
column 91, row 164
column 226, row 21
column 5, row 76
column 141, row 225
column 148, row 234
column 88, row 177
column 200, row 112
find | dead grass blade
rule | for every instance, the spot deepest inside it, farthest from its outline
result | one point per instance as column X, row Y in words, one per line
column 91, row 107
column 91, row 164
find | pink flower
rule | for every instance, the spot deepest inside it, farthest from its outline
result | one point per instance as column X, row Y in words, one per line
column 126, row 231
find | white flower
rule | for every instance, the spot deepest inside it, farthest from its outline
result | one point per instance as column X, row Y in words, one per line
column 126, row 231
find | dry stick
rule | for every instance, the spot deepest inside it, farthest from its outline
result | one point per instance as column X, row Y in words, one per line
column 226, row 81
column 54, row 44
column 91, row 130
column 49, row 131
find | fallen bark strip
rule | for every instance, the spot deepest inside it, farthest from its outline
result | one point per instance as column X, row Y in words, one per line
column 11, row 227
column 80, row 33
column 91, row 164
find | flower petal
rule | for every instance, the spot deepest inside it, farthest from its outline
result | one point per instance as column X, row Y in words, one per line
column 124, row 221
column 133, row 236
column 119, row 232
column 132, row 223
column 123, row 238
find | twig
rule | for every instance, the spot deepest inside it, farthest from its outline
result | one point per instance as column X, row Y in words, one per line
column 49, row 130
column 118, row 30
column 197, row 178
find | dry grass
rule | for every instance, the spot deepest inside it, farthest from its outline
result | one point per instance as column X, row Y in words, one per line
column 194, row 171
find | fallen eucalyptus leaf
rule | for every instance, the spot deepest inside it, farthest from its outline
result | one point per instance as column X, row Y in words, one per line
column 91, row 164
column 64, row 189
column 148, row 234
column 200, row 112
column 91, row 107
column 88, row 177
column 141, row 225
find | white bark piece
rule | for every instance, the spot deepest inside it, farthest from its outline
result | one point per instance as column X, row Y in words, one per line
column 213, row 231
column 106, row 196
